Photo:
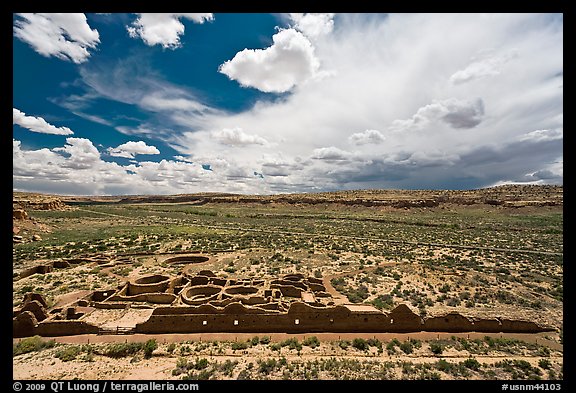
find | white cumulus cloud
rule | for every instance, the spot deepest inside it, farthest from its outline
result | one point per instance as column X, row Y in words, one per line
column 66, row 36
column 78, row 169
column 288, row 62
column 454, row 112
column 331, row 154
column 37, row 124
column 163, row 29
column 81, row 153
column 237, row 137
column 130, row 149
column 367, row 137
column 313, row 25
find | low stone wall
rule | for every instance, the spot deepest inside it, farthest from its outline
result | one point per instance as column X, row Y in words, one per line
column 155, row 298
column 110, row 305
column 98, row 296
column 288, row 290
column 188, row 259
column 40, row 269
column 149, row 284
column 64, row 328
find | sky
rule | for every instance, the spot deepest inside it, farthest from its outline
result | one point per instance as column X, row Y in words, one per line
column 125, row 104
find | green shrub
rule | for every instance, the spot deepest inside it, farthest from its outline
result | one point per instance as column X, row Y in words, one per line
column 544, row 363
column 344, row 344
column 265, row 340
column 360, row 344
column 436, row 348
column 374, row 342
column 68, row 353
column 391, row 346
column 239, row 345
column 383, row 302
column 227, row 367
column 201, row 364
column 292, row 343
column 31, row 344
column 311, row 342
column 149, row 347
column 472, row 364
column 171, row 347
column 444, row 366
column 119, row 350
column 406, row 347
column 267, row 366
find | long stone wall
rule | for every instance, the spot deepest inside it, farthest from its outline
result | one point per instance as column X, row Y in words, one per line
column 302, row 318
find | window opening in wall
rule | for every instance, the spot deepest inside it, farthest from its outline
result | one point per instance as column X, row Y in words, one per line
column 296, row 322
column 391, row 320
column 204, row 322
column 235, row 322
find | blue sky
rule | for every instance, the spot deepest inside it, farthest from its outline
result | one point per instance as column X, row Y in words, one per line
column 110, row 104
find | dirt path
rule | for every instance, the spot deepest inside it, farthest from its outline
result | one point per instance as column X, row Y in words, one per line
column 536, row 338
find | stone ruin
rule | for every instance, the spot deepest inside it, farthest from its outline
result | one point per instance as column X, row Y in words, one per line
column 202, row 302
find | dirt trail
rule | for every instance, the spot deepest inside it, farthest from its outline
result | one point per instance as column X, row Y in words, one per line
column 536, row 338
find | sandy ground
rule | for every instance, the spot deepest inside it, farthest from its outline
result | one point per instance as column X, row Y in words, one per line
column 44, row 364
column 159, row 367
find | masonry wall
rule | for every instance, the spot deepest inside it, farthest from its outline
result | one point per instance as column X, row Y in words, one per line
column 299, row 319
column 519, row 326
column 265, row 323
column 487, row 325
column 23, row 324
column 64, row 328
column 137, row 289
column 155, row 298
column 449, row 323
column 306, row 319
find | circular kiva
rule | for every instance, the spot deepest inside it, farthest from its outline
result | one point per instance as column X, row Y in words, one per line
column 200, row 294
column 149, row 284
column 240, row 290
column 152, row 279
column 187, row 259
